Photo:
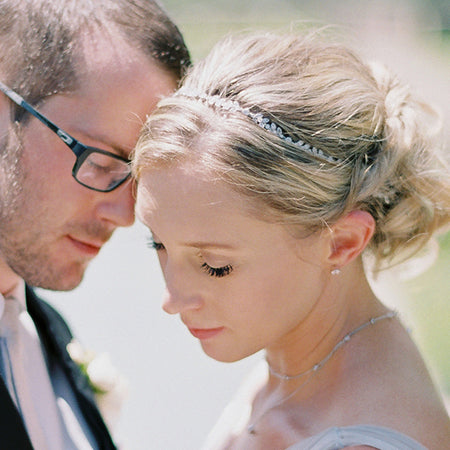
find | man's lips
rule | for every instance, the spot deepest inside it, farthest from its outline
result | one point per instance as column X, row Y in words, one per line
column 88, row 247
column 205, row 333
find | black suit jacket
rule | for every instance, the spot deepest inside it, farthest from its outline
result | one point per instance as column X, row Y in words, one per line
column 55, row 335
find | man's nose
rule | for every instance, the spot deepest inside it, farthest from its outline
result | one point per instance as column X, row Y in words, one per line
column 117, row 206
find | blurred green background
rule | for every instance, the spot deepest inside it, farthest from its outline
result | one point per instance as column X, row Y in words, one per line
column 429, row 306
column 410, row 36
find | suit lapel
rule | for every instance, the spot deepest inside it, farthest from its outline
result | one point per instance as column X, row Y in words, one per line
column 12, row 429
column 55, row 335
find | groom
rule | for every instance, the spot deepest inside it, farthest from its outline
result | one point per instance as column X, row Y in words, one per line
column 93, row 70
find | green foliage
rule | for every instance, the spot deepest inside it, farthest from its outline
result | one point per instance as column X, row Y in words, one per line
column 430, row 306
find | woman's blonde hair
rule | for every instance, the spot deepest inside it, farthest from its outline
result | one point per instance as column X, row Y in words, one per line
column 373, row 149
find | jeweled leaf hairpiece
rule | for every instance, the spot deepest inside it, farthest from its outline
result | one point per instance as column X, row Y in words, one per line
column 264, row 122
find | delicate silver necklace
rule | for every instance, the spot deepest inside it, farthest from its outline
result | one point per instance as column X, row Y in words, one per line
column 313, row 370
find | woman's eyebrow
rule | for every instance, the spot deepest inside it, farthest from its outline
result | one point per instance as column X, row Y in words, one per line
column 208, row 245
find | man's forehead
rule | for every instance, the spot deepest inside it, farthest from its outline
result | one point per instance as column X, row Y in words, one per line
column 108, row 51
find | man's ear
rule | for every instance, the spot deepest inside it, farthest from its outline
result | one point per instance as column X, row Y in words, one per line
column 349, row 237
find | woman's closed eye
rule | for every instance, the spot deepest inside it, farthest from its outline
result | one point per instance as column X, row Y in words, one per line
column 155, row 245
column 217, row 271
column 211, row 271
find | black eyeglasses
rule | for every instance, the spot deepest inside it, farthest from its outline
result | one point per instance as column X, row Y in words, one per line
column 94, row 168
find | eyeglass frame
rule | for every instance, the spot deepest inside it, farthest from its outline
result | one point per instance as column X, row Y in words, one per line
column 80, row 150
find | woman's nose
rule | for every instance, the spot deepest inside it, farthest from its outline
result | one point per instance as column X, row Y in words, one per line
column 178, row 302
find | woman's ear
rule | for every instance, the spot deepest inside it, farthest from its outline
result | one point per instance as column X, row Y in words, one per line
column 349, row 237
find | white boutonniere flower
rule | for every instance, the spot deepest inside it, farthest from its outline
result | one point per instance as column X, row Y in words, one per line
column 109, row 386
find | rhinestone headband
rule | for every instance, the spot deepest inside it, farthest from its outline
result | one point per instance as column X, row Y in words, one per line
column 264, row 122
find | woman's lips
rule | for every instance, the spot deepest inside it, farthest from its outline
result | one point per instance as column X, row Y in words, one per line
column 205, row 333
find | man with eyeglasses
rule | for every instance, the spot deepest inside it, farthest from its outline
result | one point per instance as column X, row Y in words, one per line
column 77, row 79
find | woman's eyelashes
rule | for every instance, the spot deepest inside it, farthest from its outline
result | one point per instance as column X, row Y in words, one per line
column 155, row 245
column 217, row 271
column 211, row 271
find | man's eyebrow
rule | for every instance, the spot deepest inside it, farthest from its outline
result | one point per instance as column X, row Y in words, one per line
column 120, row 151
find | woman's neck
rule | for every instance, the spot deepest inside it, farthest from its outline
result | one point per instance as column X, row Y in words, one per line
column 345, row 304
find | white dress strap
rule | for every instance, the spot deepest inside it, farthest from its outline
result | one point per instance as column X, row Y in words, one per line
column 374, row 436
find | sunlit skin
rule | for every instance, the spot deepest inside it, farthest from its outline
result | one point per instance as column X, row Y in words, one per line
column 242, row 283
column 59, row 226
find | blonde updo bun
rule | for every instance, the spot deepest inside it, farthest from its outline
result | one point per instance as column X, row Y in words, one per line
column 415, row 189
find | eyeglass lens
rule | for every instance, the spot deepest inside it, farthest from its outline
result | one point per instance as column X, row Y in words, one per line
column 102, row 172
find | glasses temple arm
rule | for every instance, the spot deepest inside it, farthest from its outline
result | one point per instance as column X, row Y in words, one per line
column 16, row 98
